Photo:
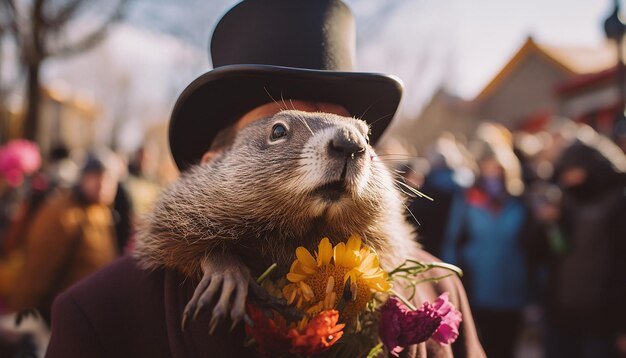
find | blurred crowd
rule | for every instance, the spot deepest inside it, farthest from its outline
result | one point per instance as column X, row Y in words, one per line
column 537, row 221
column 61, row 218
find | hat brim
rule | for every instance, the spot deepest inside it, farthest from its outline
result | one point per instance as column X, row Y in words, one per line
column 218, row 98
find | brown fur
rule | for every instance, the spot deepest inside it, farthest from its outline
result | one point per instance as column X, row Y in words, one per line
column 255, row 201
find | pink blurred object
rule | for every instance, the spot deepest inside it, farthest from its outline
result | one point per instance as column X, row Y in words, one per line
column 18, row 158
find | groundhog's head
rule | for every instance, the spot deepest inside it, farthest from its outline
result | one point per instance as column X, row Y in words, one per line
column 284, row 181
column 300, row 166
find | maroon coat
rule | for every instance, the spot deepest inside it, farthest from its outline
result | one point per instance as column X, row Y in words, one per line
column 123, row 311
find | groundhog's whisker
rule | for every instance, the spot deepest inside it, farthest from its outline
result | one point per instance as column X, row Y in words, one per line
column 282, row 99
column 407, row 156
column 380, row 119
column 400, row 172
column 394, row 161
column 306, row 124
column 286, row 158
column 400, row 184
column 413, row 216
column 275, row 101
column 365, row 112
column 415, row 191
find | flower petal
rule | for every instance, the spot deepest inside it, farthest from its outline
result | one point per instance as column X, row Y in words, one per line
column 294, row 277
column 354, row 243
column 305, row 257
column 298, row 268
column 369, row 262
column 319, row 334
column 351, row 258
column 352, row 274
column 448, row 331
column 325, row 252
column 339, row 253
column 307, row 291
column 380, row 286
column 289, row 292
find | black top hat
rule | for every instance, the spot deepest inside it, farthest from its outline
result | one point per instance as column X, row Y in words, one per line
column 273, row 50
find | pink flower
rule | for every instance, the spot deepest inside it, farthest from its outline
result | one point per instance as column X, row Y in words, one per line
column 448, row 330
column 18, row 158
column 401, row 327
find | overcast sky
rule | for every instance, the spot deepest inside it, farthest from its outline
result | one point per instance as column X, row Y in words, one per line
column 425, row 42
column 490, row 31
column 428, row 43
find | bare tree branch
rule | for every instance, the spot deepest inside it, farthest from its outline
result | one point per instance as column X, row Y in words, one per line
column 11, row 14
column 37, row 28
column 94, row 37
column 63, row 15
column 37, row 32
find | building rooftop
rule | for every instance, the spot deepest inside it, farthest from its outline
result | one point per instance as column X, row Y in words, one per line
column 576, row 61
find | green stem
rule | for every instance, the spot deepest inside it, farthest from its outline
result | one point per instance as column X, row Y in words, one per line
column 404, row 300
column 431, row 279
column 376, row 350
column 422, row 267
column 397, row 269
column 446, row 266
column 266, row 273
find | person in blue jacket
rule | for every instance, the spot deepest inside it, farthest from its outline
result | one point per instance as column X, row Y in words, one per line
column 484, row 236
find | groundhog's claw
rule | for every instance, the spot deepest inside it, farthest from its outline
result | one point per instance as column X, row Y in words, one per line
column 233, row 281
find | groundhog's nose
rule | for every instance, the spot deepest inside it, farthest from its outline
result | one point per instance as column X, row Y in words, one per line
column 346, row 144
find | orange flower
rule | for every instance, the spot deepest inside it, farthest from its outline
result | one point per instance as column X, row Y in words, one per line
column 318, row 335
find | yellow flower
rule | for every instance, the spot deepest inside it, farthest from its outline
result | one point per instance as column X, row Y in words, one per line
column 346, row 271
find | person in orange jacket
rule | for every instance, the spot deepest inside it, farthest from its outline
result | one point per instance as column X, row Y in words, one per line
column 70, row 237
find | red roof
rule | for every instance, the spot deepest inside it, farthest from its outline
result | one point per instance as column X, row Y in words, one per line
column 585, row 80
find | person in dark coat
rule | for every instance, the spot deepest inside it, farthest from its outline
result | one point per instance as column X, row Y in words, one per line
column 586, row 308
column 124, row 311
column 448, row 175
column 122, row 211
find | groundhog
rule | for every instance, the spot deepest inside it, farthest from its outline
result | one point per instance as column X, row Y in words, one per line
column 286, row 181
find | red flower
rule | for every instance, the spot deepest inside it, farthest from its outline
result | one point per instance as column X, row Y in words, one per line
column 392, row 316
column 271, row 335
column 321, row 333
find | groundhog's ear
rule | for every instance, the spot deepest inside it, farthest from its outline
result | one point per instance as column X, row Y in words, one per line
column 210, row 155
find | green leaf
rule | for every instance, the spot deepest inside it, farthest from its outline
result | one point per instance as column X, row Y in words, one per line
column 376, row 350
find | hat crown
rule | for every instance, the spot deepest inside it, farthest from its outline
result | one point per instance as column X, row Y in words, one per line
column 309, row 34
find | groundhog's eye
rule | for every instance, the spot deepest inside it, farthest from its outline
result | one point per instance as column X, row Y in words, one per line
column 278, row 131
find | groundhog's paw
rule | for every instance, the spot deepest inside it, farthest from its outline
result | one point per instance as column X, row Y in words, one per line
column 225, row 285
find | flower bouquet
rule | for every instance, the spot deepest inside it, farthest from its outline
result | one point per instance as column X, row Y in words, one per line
column 349, row 307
